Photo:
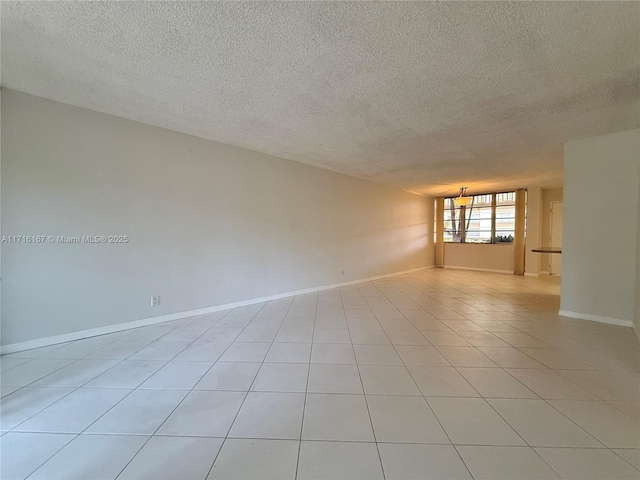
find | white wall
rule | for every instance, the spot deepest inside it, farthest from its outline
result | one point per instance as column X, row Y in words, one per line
column 600, row 227
column 208, row 223
column 481, row 256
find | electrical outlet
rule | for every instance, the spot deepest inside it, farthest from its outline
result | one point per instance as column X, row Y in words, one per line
column 155, row 301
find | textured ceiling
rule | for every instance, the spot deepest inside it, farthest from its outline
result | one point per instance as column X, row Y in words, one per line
column 426, row 96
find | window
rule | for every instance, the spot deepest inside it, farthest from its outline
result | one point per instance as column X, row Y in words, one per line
column 488, row 218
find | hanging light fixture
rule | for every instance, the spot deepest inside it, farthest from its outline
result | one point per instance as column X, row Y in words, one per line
column 462, row 199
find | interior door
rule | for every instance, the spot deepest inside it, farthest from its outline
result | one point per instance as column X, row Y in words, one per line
column 555, row 259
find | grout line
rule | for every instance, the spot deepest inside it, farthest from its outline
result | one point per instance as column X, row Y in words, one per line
column 179, row 403
column 252, row 382
column 306, row 390
column 364, row 393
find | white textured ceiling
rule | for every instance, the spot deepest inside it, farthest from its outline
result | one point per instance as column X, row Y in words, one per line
column 426, row 96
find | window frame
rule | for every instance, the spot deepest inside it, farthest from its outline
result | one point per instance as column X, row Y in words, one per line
column 462, row 219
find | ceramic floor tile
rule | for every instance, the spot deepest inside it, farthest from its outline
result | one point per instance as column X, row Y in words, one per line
column 220, row 334
column 505, row 463
column 387, row 380
column 31, row 371
column 5, row 391
column 282, row 377
column 35, row 352
column 376, row 355
column 177, row 375
column 510, row 357
column 126, row 374
column 270, row 415
column 445, row 338
column 630, row 408
column 75, row 412
column 430, row 325
column 412, row 335
column 204, row 413
column 256, row 459
column 421, row 356
column 363, row 323
column 541, row 425
column 472, row 421
column 605, row 422
column 607, row 360
column 161, row 350
column 483, row 339
column 120, row 349
column 389, row 324
column 465, row 357
column 495, row 383
column 229, row 376
column 173, row 458
column 326, row 378
column 331, row 322
column 98, row 457
column 336, row 417
column 332, row 353
column 460, row 326
column 81, row 348
column 202, row 352
column 21, row 405
column 421, row 462
column 613, row 386
column 339, row 460
column 519, row 340
column 442, row 382
column 406, row 337
column 246, row 352
column 9, row 362
column 295, row 333
column 549, row 385
column 587, row 464
column 140, row 413
column 186, row 333
column 404, row 419
column 258, row 333
column 632, row 456
column 556, row 358
column 289, row 353
column 23, row 453
column 368, row 336
column 331, row 335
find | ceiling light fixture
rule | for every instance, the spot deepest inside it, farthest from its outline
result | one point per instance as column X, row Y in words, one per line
column 462, row 200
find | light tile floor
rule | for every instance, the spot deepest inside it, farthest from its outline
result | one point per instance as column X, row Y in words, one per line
column 436, row 374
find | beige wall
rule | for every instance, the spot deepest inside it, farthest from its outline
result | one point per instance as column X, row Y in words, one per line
column 481, row 256
column 208, row 223
column 600, row 244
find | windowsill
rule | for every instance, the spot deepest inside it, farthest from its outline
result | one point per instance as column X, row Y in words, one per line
column 470, row 243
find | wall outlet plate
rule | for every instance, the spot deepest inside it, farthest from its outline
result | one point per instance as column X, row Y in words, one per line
column 155, row 300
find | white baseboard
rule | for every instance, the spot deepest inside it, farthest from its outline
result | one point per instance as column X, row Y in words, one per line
column 118, row 327
column 528, row 274
column 545, row 272
column 493, row 270
column 596, row 318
